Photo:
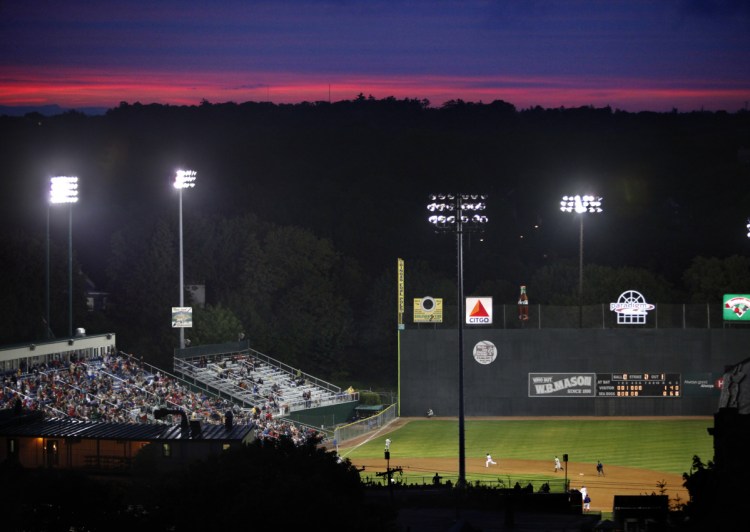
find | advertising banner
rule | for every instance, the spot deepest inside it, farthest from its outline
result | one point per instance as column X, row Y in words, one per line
column 562, row 384
column 631, row 308
column 701, row 384
column 736, row 307
column 485, row 352
column 428, row 310
column 479, row 311
column 182, row 317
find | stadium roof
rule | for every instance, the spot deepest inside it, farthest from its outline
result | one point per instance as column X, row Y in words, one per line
column 30, row 425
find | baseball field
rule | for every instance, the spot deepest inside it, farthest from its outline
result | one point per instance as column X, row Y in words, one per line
column 640, row 456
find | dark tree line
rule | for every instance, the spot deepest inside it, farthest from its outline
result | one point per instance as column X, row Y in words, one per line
column 300, row 212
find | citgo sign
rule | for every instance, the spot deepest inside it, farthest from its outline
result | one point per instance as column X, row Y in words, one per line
column 478, row 310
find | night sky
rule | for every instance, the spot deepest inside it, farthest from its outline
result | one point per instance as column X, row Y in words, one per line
column 631, row 55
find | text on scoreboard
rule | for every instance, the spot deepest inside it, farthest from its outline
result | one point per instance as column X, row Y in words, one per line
column 605, row 385
column 638, row 385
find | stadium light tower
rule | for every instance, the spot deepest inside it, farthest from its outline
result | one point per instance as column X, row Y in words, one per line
column 47, row 328
column 581, row 205
column 459, row 213
column 183, row 179
column 64, row 189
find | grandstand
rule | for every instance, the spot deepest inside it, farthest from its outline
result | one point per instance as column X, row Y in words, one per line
column 236, row 372
column 249, row 377
column 87, row 379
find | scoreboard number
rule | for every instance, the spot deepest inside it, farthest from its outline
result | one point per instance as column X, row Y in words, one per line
column 638, row 385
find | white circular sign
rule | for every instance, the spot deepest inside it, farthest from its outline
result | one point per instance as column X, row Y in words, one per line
column 485, row 352
column 428, row 304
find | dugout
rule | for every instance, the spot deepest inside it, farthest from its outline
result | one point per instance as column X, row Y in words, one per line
column 365, row 411
column 566, row 372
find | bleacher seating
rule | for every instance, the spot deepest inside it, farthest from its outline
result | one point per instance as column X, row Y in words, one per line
column 248, row 379
column 122, row 388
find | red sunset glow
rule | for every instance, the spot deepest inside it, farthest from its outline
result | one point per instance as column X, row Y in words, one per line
column 633, row 56
column 78, row 88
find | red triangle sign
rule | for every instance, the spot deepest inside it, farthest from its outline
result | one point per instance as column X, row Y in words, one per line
column 479, row 310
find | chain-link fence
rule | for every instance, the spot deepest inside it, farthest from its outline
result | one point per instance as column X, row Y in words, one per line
column 523, row 484
column 365, row 426
column 598, row 316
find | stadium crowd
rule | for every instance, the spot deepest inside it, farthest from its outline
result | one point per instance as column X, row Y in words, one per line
column 119, row 387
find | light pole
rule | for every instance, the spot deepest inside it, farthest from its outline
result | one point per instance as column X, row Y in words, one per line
column 64, row 189
column 47, row 330
column 183, row 179
column 581, row 205
column 459, row 213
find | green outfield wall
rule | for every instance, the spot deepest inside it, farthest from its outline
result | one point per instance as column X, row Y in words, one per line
column 326, row 417
column 567, row 372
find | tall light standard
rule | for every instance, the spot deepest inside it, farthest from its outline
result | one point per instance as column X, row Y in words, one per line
column 459, row 213
column 47, row 330
column 581, row 205
column 183, row 179
column 64, row 189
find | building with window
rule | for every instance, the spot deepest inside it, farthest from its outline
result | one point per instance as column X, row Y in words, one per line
column 33, row 441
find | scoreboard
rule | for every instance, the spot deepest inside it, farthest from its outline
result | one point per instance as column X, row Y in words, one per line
column 638, row 385
column 607, row 385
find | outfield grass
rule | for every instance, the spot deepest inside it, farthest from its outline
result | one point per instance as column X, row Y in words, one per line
column 666, row 445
